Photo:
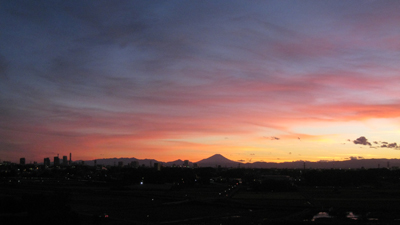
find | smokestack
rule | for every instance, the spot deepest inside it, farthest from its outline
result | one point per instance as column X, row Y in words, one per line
column 70, row 159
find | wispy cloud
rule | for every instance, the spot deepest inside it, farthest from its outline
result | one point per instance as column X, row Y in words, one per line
column 125, row 75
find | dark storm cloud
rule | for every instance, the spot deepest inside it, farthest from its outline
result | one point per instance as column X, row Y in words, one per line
column 361, row 141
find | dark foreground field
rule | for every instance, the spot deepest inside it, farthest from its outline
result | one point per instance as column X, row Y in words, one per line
column 81, row 203
column 90, row 195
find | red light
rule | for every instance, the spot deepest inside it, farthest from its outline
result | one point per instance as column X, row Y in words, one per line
column 106, row 216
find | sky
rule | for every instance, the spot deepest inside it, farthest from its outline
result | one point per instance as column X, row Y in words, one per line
column 254, row 81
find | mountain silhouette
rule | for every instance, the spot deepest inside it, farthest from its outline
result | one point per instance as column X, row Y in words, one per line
column 178, row 162
column 216, row 160
column 219, row 160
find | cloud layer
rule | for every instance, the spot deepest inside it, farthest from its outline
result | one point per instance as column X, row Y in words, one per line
column 376, row 144
column 122, row 78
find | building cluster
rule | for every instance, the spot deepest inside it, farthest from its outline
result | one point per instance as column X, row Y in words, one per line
column 65, row 161
column 56, row 162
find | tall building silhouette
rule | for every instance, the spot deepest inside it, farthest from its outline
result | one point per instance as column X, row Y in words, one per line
column 157, row 166
column 56, row 161
column 65, row 160
column 135, row 164
column 46, row 162
column 22, row 161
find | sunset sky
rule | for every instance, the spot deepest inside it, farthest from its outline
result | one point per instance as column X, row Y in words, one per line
column 252, row 80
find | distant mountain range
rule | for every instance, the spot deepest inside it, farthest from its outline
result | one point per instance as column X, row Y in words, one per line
column 219, row 160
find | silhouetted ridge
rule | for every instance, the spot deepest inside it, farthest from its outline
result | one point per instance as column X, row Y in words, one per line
column 216, row 160
column 220, row 160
